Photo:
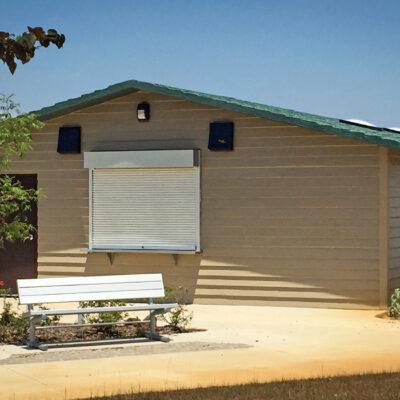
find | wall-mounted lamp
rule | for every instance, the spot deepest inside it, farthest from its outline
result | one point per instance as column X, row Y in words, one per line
column 143, row 111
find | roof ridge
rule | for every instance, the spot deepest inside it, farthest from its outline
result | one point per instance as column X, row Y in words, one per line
column 284, row 115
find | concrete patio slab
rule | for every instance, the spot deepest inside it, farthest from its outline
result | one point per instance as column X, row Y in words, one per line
column 282, row 343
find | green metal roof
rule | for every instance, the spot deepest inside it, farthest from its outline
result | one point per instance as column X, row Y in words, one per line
column 305, row 120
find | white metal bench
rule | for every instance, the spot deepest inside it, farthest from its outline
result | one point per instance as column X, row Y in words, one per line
column 33, row 292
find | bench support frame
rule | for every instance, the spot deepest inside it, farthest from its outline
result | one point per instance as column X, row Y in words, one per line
column 34, row 320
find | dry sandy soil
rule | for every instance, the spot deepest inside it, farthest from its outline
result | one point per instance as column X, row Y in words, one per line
column 240, row 344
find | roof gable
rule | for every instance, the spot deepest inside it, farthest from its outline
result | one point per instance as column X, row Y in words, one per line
column 305, row 120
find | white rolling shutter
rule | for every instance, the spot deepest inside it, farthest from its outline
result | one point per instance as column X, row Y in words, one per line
column 145, row 209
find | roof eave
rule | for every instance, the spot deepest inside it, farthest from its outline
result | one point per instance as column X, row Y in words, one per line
column 230, row 104
column 87, row 100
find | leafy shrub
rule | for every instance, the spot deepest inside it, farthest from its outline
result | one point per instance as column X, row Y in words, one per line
column 112, row 317
column 106, row 317
column 178, row 318
column 13, row 327
column 394, row 308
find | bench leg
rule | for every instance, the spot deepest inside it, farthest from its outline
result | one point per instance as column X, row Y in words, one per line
column 32, row 341
column 152, row 334
column 153, row 324
column 32, row 332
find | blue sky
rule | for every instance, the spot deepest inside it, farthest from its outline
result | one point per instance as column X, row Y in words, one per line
column 330, row 57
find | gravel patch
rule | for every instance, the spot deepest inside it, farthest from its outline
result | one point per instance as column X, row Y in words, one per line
column 87, row 354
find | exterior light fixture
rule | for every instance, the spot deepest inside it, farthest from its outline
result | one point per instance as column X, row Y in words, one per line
column 143, row 111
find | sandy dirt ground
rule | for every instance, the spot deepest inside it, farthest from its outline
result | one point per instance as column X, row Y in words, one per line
column 275, row 343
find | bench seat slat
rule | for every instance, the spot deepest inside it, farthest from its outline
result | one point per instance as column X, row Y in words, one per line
column 91, row 310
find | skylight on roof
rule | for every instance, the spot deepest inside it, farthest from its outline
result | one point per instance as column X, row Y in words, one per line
column 360, row 122
column 393, row 129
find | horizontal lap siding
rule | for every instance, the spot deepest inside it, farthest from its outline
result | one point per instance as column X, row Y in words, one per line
column 290, row 217
column 394, row 220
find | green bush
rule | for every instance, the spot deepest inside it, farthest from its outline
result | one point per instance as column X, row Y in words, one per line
column 178, row 319
column 394, row 308
column 106, row 317
column 13, row 327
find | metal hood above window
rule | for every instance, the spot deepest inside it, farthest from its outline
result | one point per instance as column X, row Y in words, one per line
column 142, row 159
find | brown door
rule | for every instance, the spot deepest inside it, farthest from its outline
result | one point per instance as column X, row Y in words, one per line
column 19, row 260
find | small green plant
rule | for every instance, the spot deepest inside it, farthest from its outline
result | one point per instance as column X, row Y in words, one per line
column 13, row 327
column 178, row 319
column 106, row 317
column 394, row 308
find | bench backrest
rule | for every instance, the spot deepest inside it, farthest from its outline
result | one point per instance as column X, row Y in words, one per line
column 108, row 287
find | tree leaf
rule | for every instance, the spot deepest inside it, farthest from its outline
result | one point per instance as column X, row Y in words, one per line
column 9, row 60
column 23, row 46
column 15, row 200
column 38, row 32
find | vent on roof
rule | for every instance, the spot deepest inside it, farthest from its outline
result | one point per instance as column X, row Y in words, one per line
column 392, row 129
column 360, row 122
column 69, row 140
column 221, row 136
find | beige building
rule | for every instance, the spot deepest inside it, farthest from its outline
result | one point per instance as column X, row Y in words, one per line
column 237, row 202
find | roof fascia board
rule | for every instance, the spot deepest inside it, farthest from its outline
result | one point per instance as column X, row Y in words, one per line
column 231, row 104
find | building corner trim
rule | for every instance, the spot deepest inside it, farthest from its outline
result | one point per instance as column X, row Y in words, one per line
column 383, row 225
